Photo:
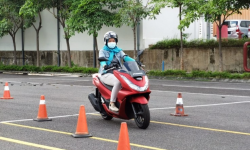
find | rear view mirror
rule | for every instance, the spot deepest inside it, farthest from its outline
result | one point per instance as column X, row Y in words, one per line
column 102, row 59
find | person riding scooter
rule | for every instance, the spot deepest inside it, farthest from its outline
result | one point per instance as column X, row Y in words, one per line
column 114, row 55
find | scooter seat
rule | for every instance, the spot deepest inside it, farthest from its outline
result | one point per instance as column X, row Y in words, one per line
column 106, row 85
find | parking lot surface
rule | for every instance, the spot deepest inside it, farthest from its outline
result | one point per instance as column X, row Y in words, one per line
column 218, row 116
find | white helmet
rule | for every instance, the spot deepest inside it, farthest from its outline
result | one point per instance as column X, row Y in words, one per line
column 110, row 34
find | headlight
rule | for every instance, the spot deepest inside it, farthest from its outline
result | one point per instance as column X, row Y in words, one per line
column 135, row 87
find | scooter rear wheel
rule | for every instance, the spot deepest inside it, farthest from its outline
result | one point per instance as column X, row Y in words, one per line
column 106, row 117
column 143, row 116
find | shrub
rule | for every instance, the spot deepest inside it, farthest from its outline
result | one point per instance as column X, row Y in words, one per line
column 175, row 43
column 199, row 74
column 167, row 73
column 235, row 76
column 246, row 75
column 167, row 43
column 48, row 69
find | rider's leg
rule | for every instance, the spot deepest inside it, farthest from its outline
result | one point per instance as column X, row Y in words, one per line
column 115, row 90
column 110, row 79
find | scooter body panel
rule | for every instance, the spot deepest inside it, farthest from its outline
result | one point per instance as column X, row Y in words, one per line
column 139, row 99
column 125, row 96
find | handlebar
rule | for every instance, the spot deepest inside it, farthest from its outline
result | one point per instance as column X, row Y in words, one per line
column 140, row 64
column 111, row 66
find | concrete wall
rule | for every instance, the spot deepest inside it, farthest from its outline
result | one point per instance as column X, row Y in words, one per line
column 194, row 59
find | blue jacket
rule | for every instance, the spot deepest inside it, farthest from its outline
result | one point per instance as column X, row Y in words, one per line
column 120, row 55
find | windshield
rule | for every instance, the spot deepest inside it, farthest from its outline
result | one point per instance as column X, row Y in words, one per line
column 130, row 66
column 230, row 24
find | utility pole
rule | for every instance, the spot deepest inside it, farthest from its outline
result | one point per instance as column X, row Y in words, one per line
column 138, row 36
column 22, row 36
column 94, row 62
column 58, row 35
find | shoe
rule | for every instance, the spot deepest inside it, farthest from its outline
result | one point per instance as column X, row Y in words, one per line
column 112, row 107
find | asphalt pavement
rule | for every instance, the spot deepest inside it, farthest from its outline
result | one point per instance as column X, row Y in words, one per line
column 218, row 116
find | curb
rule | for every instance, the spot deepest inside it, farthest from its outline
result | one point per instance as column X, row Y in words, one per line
column 201, row 79
column 47, row 73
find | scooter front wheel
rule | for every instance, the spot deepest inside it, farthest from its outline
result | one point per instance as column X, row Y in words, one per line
column 142, row 118
column 106, row 116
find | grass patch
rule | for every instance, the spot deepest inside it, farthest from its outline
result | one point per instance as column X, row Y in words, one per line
column 199, row 74
column 74, row 69
column 167, row 73
column 175, row 43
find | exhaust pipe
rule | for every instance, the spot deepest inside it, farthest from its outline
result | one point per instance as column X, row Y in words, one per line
column 94, row 101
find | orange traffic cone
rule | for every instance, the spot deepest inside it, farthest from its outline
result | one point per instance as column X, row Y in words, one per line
column 179, row 110
column 123, row 143
column 42, row 112
column 81, row 128
column 6, row 94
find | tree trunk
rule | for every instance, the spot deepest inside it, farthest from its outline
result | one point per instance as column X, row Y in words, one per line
column 37, row 49
column 220, row 51
column 68, row 49
column 134, row 33
column 181, row 51
column 37, row 40
column 14, row 44
column 96, row 52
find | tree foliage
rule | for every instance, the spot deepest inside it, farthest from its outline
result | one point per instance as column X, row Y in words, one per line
column 159, row 4
column 92, row 15
column 64, row 13
column 10, row 21
column 132, row 12
column 29, row 11
column 214, row 11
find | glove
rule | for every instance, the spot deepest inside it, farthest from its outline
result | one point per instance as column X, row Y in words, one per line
column 109, row 66
column 106, row 67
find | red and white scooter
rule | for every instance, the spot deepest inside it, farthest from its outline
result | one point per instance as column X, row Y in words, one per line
column 132, row 99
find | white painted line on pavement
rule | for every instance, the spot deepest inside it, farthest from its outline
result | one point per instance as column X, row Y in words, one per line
column 149, row 109
column 203, row 87
column 203, row 105
column 56, row 75
column 200, row 93
column 17, row 120
column 57, row 79
column 73, row 85
column 21, row 120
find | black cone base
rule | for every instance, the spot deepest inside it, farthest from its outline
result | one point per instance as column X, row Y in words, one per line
column 40, row 120
column 81, row 135
column 180, row 115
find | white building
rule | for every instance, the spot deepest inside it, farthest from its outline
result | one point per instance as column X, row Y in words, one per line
column 151, row 31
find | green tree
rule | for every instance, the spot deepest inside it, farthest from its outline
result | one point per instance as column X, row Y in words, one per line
column 30, row 10
column 92, row 15
column 159, row 4
column 131, row 13
column 64, row 14
column 218, row 11
column 10, row 21
column 214, row 11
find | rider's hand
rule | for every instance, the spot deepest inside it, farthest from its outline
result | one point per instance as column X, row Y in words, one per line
column 106, row 67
